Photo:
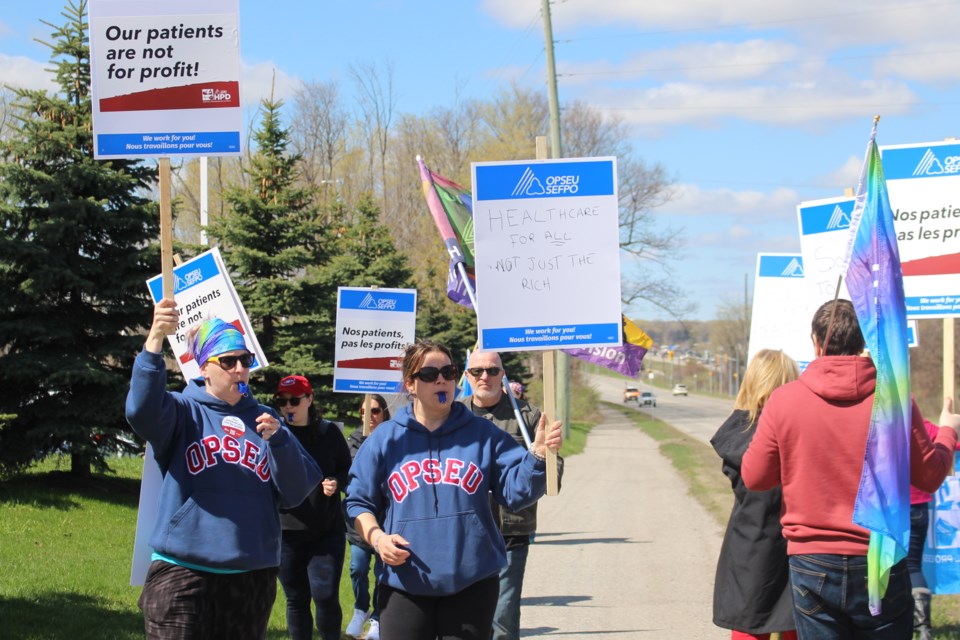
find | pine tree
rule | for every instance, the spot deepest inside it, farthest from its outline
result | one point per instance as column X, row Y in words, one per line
column 74, row 255
column 270, row 234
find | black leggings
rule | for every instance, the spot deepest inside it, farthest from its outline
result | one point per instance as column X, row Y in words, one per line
column 467, row 615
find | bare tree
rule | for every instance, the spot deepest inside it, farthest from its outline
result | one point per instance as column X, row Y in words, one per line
column 377, row 102
column 318, row 133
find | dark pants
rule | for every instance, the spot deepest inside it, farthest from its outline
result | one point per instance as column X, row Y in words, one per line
column 919, row 519
column 185, row 604
column 310, row 569
column 830, row 600
column 467, row 615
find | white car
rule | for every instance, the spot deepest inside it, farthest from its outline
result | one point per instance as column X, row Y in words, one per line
column 679, row 389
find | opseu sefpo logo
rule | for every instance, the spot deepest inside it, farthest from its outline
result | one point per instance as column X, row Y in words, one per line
column 930, row 165
column 530, row 185
column 215, row 95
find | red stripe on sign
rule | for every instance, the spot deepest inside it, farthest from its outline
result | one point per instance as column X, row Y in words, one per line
column 205, row 95
column 932, row 266
column 394, row 363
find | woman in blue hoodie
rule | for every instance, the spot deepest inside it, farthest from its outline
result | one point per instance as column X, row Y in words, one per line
column 418, row 494
column 228, row 466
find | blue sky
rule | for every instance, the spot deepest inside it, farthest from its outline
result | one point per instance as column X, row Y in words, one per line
column 752, row 106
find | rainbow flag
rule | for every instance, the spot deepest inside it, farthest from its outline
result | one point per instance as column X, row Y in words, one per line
column 624, row 359
column 452, row 209
column 875, row 281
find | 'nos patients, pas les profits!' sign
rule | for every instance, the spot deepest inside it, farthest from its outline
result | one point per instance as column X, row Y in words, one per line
column 165, row 78
column 824, row 236
column 547, row 250
column 781, row 315
column 923, row 181
column 203, row 290
column 374, row 326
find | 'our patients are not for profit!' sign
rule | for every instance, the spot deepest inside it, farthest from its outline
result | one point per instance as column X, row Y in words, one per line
column 165, row 78
column 547, row 247
column 374, row 326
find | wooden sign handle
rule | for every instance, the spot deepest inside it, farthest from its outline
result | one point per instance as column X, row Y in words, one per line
column 166, row 229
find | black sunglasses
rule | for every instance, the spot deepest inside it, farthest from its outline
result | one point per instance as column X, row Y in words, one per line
column 476, row 372
column 293, row 402
column 374, row 410
column 430, row 374
column 229, row 362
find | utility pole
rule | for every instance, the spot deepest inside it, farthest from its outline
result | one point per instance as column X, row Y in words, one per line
column 556, row 151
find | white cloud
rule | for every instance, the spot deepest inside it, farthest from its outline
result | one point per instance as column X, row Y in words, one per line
column 931, row 62
column 259, row 79
column 25, row 73
column 747, row 205
column 845, row 175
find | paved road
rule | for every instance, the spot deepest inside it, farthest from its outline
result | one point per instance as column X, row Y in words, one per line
column 623, row 552
column 698, row 416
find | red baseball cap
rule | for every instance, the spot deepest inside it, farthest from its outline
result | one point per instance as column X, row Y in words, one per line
column 295, row 386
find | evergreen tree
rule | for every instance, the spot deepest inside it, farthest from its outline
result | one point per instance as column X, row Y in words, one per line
column 270, row 234
column 74, row 255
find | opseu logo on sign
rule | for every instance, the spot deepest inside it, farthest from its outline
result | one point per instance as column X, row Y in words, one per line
column 781, row 267
column 933, row 161
column 548, row 180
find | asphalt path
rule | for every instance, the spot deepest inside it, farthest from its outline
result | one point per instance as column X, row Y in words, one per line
column 624, row 551
column 695, row 415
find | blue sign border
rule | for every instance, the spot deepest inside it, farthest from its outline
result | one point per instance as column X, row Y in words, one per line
column 552, row 336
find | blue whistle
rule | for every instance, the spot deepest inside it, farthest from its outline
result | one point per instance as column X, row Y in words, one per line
column 442, row 396
column 243, row 388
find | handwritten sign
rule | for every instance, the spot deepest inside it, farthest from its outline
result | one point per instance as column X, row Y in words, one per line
column 923, row 181
column 547, row 253
column 781, row 308
column 374, row 326
column 165, row 78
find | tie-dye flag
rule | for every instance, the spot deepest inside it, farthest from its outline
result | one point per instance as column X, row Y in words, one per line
column 875, row 282
column 624, row 359
column 452, row 209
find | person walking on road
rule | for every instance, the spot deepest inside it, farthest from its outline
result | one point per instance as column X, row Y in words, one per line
column 228, row 465
column 488, row 400
column 751, row 592
column 426, row 476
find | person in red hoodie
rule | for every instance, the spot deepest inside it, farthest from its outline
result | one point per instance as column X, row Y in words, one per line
column 811, row 439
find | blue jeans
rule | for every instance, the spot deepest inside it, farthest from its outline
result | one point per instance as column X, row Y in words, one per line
column 360, row 578
column 830, row 600
column 919, row 520
column 506, row 619
column 310, row 569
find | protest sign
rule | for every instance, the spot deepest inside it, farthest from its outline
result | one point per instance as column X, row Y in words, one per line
column 781, row 308
column 547, row 251
column 165, row 78
column 374, row 326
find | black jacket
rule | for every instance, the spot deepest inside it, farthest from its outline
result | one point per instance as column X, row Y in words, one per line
column 353, row 443
column 751, row 591
column 320, row 514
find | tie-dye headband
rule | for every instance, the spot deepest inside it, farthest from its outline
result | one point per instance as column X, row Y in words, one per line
column 214, row 337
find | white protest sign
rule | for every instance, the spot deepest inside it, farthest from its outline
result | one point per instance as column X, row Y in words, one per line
column 165, row 78
column 824, row 234
column 374, row 326
column 781, row 308
column 923, row 181
column 203, row 290
column 547, row 248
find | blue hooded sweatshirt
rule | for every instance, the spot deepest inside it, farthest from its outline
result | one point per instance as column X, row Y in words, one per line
column 432, row 489
column 223, row 484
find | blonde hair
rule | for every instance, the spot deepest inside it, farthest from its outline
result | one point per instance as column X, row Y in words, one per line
column 768, row 370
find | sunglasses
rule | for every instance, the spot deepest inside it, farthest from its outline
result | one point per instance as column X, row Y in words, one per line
column 430, row 374
column 374, row 410
column 293, row 402
column 476, row 372
column 229, row 362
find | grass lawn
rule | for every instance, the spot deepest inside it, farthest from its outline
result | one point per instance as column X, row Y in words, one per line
column 700, row 466
column 66, row 550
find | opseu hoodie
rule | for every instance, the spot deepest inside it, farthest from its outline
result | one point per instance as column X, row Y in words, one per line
column 812, row 438
column 432, row 489
column 223, row 484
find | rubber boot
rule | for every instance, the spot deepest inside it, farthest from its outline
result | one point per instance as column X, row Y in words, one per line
column 921, row 614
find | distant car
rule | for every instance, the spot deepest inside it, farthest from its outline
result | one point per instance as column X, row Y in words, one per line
column 631, row 393
column 679, row 389
column 647, row 399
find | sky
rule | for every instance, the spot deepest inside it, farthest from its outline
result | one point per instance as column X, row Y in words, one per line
column 751, row 107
